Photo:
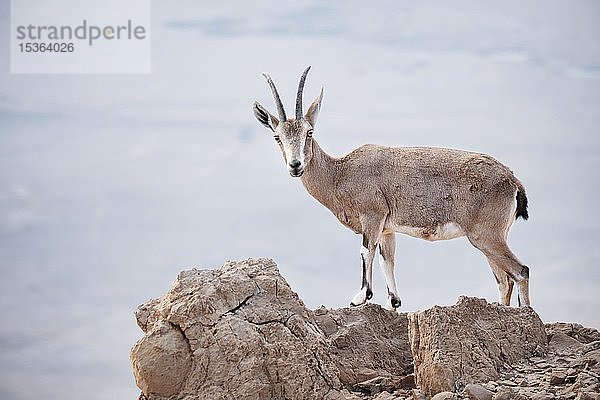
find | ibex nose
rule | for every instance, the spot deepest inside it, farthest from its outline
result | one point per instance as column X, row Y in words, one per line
column 295, row 164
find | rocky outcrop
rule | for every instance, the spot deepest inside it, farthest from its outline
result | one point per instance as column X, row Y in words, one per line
column 247, row 333
column 369, row 346
column 240, row 332
column 470, row 342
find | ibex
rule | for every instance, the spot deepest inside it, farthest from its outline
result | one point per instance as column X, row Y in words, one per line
column 425, row 192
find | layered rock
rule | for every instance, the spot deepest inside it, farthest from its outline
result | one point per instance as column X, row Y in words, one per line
column 470, row 342
column 369, row 346
column 240, row 332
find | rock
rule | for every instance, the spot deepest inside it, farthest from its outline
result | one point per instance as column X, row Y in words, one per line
column 347, row 395
column 366, row 342
column 562, row 344
column 478, row 392
column 504, row 394
column 444, row 396
column 377, row 385
column 491, row 385
column 558, row 377
column 240, row 332
column 408, row 382
column 385, row 396
column 542, row 396
column 581, row 334
column 588, row 396
column 248, row 334
column 592, row 360
column 418, row 394
column 470, row 341
column 161, row 360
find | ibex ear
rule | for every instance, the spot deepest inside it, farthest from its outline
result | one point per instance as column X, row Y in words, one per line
column 265, row 117
column 313, row 110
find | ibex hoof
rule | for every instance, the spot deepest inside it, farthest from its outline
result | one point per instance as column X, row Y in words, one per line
column 361, row 297
column 393, row 303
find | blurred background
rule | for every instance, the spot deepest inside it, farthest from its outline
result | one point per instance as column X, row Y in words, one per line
column 112, row 184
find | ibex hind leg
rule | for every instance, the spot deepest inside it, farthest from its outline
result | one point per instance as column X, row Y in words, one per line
column 505, row 283
column 502, row 258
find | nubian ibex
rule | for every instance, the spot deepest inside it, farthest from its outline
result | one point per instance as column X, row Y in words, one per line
column 425, row 192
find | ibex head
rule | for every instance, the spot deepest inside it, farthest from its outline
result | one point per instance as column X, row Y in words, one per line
column 293, row 135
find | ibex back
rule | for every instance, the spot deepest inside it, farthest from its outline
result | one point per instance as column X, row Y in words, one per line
column 425, row 192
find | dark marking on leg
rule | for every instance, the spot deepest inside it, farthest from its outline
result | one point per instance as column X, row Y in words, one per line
column 365, row 242
column 497, row 279
column 525, row 272
column 364, row 272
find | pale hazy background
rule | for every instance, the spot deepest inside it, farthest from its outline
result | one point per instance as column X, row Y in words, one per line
column 111, row 184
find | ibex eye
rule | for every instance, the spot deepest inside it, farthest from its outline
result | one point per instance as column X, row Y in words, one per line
column 309, row 133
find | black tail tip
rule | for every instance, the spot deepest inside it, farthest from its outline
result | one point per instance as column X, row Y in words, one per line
column 522, row 205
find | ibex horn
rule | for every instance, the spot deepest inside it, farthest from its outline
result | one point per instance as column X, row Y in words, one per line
column 278, row 103
column 299, row 95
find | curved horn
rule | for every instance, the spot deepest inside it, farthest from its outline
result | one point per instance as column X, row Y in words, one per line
column 278, row 103
column 299, row 95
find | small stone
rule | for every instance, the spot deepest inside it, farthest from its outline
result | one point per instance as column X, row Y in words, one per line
column 478, row 392
column 542, row 396
column 375, row 385
column 503, row 394
column 522, row 382
column 558, row 377
column 444, row 396
column 408, row 382
column 568, row 392
column 587, row 396
column 505, row 382
column 346, row 395
column 562, row 344
column 418, row 394
column 385, row 396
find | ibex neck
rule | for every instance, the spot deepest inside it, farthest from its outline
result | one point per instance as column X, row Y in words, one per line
column 320, row 175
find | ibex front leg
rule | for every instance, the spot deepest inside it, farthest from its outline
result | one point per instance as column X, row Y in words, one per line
column 387, row 251
column 370, row 241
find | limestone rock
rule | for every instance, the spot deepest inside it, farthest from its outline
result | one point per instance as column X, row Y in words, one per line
column 478, row 392
column 576, row 331
column 470, row 341
column 161, row 360
column 248, row 334
column 240, row 332
column 564, row 344
column 368, row 343
column 444, row 396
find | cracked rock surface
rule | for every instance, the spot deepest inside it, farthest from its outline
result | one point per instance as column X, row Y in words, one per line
column 248, row 334
column 240, row 332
